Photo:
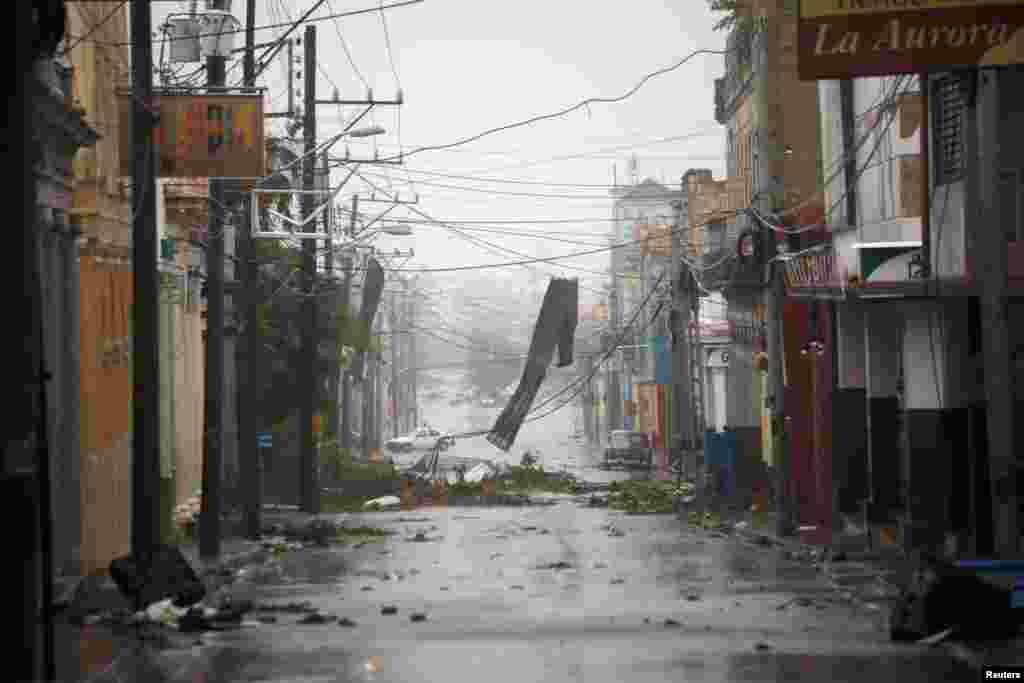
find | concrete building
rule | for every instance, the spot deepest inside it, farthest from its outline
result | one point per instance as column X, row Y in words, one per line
column 908, row 328
column 643, row 218
column 102, row 212
column 771, row 122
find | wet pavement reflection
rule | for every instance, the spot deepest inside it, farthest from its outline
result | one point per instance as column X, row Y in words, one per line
column 540, row 593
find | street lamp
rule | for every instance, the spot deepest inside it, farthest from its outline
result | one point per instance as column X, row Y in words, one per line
column 367, row 132
column 397, row 229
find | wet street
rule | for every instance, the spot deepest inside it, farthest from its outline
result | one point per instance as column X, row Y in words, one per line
column 554, row 593
column 556, row 439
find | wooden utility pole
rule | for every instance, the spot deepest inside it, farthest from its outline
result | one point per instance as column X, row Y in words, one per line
column 780, row 422
column 393, row 317
column 307, row 373
column 682, row 380
column 983, row 152
column 213, row 432
column 145, row 522
column 346, row 298
column 250, row 465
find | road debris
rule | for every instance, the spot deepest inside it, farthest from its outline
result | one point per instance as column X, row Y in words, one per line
column 317, row 618
column 617, row 581
column 287, row 607
column 390, row 609
column 366, row 588
column 420, row 537
column 556, row 565
column 763, row 647
column 600, row 565
column 345, row 621
column 517, row 587
column 941, row 596
column 672, row 622
column 383, row 503
column 495, row 556
column 417, row 617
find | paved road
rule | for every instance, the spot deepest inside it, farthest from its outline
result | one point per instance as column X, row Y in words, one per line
column 493, row 615
column 544, row 593
column 553, row 437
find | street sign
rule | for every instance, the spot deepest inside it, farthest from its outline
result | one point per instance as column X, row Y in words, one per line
column 201, row 135
column 264, row 440
column 842, row 39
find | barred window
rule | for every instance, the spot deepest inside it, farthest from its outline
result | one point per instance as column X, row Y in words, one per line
column 948, row 106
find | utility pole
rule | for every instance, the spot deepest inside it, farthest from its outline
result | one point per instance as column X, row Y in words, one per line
column 588, row 398
column 250, row 463
column 393, row 317
column 985, row 160
column 368, row 403
column 413, row 360
column 307, row 373
column 213, row 434
column 615, row 401
column 346, row 298
column 682, row 382
column 777, row 392
column 332, row 381
column 145, row 522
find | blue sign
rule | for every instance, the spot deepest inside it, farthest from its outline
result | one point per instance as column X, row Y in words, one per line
column 264, row 440
column 1000, row 569
column 662, row 360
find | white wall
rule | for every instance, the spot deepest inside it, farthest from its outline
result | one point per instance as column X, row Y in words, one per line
column 880, row 150
column 924, row 364
column 882, row 344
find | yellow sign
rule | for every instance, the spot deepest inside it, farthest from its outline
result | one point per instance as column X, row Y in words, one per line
column 810, row 9
column 850, row 38
column 200, row 135
column 318, row 424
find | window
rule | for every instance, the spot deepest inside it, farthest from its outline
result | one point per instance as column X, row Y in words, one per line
column 947, row 105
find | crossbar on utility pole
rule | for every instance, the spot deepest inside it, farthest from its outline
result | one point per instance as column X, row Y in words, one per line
column 309, row 393
column 145, row 520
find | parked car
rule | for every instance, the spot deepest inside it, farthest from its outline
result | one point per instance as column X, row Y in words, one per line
column 423, row 439
column 629, row 449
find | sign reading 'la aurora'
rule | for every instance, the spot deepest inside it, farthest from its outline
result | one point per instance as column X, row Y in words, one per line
column 845, row 38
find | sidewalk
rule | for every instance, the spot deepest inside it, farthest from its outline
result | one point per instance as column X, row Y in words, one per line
column 872, row 578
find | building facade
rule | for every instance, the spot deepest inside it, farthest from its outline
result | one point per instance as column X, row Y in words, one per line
column 639, row 396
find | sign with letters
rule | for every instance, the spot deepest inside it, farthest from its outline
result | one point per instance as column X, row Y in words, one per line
column 849, row 38
column 199, row 135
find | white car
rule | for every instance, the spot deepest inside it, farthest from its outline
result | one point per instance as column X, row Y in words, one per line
column 423, row 439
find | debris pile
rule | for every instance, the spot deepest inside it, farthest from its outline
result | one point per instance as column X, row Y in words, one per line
column 943, row 599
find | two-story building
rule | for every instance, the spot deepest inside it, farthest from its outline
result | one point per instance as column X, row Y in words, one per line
column 644, row 218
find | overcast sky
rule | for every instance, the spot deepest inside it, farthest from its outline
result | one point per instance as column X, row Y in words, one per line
column 465, row 67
